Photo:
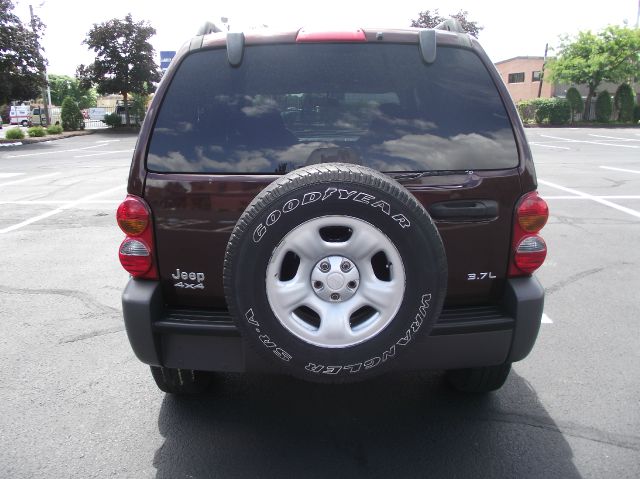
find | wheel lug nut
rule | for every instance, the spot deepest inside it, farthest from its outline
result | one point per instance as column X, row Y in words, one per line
column 317, row 284
column 325, row 266
column 345, row 266
column 352, row 285
column 335, row 296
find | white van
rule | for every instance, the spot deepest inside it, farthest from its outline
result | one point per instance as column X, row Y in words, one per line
column 20, row 115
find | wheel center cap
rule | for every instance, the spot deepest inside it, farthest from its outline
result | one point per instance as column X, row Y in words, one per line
column 335, row 281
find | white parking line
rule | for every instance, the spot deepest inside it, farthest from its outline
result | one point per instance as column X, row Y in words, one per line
column 615, row 206
column 604, row 197
column 546, row 319
column 569, row 140
column 613, row 137
column 620, row 169
column 60, row 210
column 31, row 178
column 60, row 202
column 104, row 153
column 52, row 151
column 549, row 146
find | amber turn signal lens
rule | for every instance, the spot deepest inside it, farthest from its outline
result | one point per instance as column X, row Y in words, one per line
column 533, row 213
column 132, row 216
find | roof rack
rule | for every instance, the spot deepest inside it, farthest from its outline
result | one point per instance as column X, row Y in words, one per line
column 208, row 27
column 451, row 25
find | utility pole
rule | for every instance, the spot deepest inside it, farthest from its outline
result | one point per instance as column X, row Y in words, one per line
column 46, row 91
column 544, row 62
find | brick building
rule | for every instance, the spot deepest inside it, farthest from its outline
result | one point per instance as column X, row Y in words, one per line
column 521, row 75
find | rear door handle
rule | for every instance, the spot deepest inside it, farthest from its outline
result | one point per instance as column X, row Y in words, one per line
column 464, row 210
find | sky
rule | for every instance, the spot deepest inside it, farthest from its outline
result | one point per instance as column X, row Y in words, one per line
column 510, row 28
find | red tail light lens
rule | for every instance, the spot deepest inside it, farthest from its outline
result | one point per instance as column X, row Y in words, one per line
column 533, row 213
column 305, row 35
column 136, row 252
column 529, row 249
column 132, row 216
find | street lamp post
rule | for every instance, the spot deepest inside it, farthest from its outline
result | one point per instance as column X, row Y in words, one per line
column 46, row 91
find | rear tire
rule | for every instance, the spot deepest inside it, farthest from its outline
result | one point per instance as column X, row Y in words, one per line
column 478, row 380
column 181, row 381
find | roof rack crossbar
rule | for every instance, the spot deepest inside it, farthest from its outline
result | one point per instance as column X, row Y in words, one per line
column 451, row 25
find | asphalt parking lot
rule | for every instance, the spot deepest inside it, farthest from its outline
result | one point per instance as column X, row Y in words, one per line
column 75, row 402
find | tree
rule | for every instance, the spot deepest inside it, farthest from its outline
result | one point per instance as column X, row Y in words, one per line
column 21, row 62
column 575, row 101
column 70, row 115
column 603, row 107
column 63, row 86
column 431, row 18
column 590, row 59
column 624, row 101
column 124, row 59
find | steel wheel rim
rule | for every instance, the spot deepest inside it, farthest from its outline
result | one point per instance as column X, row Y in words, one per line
column 361, row 312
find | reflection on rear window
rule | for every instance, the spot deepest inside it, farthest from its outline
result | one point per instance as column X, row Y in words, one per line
column 288, row 106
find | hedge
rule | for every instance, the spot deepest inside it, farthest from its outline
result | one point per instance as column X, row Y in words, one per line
column 603, row 107
column 555, row 111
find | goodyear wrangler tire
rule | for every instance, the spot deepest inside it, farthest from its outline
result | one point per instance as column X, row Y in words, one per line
column 333, row 271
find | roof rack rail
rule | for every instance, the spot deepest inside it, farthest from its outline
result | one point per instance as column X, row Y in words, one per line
column 208, row 27
column 451, row 25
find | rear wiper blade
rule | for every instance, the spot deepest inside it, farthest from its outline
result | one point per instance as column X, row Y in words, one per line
column 421, row 174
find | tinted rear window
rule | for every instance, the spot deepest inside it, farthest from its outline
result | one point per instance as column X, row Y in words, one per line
column 293, row 105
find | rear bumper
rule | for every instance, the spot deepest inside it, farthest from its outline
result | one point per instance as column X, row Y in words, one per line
column 209, row 340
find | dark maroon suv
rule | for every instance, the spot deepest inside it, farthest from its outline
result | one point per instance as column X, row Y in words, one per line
column 332, row 205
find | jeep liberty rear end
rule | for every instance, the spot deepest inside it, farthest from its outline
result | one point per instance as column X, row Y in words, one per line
column 332, row 205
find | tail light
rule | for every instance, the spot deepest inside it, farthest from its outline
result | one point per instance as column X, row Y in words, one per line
column 529, row 249
column 137, row 250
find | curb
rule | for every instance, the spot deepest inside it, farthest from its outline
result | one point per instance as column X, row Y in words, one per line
column 42, row 139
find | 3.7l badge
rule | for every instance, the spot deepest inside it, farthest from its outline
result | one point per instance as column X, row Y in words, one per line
column 188, row 279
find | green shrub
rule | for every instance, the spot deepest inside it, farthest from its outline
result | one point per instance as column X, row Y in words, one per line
column 555, row 111
column 113, row 120
column 575, row 102
column 139, row 107
column 527, row 110
column 624, row 101
column 14, row 134
column 603, row 107
column 54, row 129
column 71, row 116
column 36, row 131
column 636, row 113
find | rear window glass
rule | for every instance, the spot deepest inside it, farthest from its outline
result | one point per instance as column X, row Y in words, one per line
column 293, row 105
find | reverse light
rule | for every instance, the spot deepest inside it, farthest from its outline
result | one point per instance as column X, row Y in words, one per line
column 135, row 257
column 528, row 248
column 136, row 252
column 530, row 254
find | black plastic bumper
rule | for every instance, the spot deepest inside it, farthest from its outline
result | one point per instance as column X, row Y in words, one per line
column 209, row 340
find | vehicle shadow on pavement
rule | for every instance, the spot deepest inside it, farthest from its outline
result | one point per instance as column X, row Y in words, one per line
column 404, row 425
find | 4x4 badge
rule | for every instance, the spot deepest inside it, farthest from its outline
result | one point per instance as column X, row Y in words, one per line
column 197, row 279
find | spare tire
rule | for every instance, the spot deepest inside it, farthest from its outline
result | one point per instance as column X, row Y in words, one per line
column 332, row 272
